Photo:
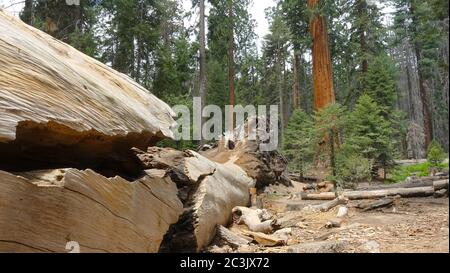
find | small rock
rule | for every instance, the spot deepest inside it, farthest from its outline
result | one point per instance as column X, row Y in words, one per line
column 371, row 247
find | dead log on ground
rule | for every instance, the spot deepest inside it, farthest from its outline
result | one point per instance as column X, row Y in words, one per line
column 413, row 183
column 355, row 195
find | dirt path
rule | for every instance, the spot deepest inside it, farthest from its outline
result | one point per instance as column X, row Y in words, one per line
column 412, row 225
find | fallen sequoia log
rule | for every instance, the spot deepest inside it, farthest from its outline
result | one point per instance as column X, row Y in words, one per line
column 372, row 194
column 42, row 211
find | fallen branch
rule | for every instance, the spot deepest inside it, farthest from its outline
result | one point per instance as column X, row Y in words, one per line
column 326, row 206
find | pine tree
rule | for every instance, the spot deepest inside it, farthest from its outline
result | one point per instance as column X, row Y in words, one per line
column 298, row 143
column 381, row 84
column 369, row 134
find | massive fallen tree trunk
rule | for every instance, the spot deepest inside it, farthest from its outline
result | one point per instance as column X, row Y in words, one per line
column 61, row 108
column 42, row 211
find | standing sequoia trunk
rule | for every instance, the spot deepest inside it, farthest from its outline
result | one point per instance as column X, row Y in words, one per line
column 322, row 70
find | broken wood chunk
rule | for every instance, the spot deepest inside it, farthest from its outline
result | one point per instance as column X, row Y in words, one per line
column 230, row 237
column 385, row 202
column 441, row 193
column 265, row 239
column 441, row 184
column 253, row 219
column 334, row 222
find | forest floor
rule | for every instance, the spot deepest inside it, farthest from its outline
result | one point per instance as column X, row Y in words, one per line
column 411, row 225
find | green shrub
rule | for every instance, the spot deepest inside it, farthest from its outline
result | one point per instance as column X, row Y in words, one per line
column 435, row 154
column 352, row 169
column 399, row 174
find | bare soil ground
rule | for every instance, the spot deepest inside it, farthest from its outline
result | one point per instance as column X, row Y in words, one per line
column 411, row 225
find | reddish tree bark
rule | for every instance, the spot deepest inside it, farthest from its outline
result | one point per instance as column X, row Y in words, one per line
column 322, row 69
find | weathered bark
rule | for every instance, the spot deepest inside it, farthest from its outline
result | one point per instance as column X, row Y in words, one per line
column 61, row 108
column 322, row 68
column 43, row 210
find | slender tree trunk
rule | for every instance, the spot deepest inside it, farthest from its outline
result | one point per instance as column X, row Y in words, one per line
column 279, row 84
column 322, row 69
column 296, row 87
column 231, row 64
column 202, row 84
column 362, row 10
